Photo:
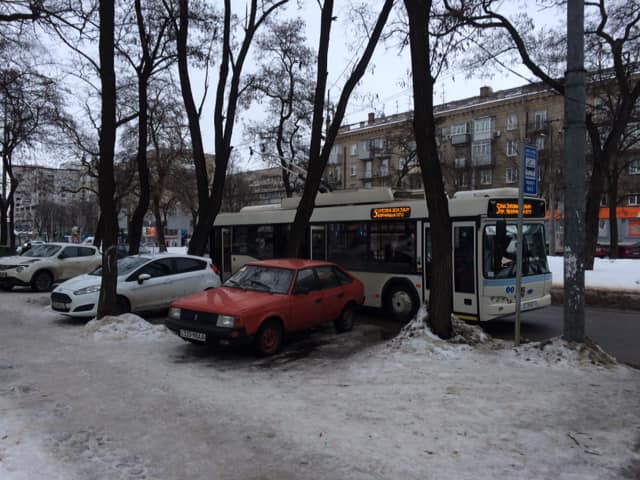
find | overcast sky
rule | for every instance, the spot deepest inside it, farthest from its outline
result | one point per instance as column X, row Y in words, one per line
column 385, row 87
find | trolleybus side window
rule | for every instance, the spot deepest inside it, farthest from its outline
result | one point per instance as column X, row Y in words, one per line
column 374, row 246
column 254, row 240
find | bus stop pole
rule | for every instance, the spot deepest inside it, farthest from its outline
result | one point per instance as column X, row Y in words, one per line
column 519, row 244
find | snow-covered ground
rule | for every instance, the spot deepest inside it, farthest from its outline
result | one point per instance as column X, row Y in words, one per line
column 618, row 274
column 121, row 399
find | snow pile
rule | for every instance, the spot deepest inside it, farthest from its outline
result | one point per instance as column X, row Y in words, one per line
column 125, row 327
column 416, row 337
column 559, row 352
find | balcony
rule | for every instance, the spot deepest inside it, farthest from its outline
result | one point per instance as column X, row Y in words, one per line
column 538, row 127
column 460, row 139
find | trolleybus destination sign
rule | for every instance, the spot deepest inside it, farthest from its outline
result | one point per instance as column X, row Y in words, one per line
column 390, row 212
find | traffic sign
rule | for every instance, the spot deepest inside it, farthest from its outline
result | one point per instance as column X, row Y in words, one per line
column 530, row 159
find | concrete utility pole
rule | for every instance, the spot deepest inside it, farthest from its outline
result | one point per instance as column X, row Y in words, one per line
column 574, row 177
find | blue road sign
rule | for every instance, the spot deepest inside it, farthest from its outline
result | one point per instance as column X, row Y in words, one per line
column 530, row 155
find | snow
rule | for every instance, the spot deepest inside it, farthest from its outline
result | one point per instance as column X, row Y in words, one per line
column 125, row 327
column 120, row 398
column 607, row 273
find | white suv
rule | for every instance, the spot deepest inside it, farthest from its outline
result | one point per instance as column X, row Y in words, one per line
column 45, row 264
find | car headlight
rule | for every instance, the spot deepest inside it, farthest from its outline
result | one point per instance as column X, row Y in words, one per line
column 226, row 321
column 174, row 313
column 87, row 290
column 21, row 268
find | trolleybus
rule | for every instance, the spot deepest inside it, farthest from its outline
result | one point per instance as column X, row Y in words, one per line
column 385, row 241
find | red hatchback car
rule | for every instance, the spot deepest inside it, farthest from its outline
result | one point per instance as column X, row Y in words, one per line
column 265, row 300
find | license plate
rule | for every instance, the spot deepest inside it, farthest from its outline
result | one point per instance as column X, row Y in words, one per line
column 59, row 305
column 530, row 305
column 202, row 337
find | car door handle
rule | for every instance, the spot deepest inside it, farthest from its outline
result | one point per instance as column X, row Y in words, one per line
column 318, row 300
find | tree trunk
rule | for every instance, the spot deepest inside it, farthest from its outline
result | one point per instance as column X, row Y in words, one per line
column 440, row 297
column 319, row 155
column 193, row 117
column 106, row 183
column 137, row 219
column 613, row 216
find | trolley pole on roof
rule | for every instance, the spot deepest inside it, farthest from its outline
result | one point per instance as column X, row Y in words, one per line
column 574, row 176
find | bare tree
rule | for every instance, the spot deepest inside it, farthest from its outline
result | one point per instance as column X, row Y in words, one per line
column 318, row 152
column 30, row 103
column 106, row 184
column 228, row 93
column 148, row 52
column 612, row 48
column 284, row 80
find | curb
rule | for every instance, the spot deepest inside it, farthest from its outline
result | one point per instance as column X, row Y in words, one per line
column 603, row 297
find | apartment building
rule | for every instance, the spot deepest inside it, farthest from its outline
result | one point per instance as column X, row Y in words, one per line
column 479, row 142
column 39, row 186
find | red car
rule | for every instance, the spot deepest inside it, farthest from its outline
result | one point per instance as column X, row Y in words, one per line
column 265, row 300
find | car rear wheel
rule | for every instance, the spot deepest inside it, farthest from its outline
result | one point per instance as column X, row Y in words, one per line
column 269, row 338
column 122, row 305
column 344, row 323
column 41, row 282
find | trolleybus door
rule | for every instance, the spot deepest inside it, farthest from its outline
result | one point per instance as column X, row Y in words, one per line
column 318, row 243
column 226, row 268
column 464, row 268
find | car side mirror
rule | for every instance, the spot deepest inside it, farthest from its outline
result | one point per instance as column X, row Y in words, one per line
column 301, row 290
column 142, row 277
column 62, row 256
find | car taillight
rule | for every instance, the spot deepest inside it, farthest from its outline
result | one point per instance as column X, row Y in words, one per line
column 215, row 269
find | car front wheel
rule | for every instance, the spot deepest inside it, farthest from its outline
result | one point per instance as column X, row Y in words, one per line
column 41, row 282
column 269, row 338
column 122, row 305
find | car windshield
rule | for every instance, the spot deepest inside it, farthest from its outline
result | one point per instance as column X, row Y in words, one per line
column 257, row 277
column 125, row 265
column 42, row 250
column 500, row 246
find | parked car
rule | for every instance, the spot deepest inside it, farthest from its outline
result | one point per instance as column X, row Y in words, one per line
column 630, row 251
column 144, row 282
column 44, row 264
column 265, row 300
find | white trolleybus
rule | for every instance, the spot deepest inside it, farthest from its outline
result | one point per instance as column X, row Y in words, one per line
column 385, row 241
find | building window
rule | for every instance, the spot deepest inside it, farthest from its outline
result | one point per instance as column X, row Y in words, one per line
column 367, row 169
column 633, row 200
column 603, row 200
column 460, row 162
column 338, row 173
column 634, row 167
column 540, row 118
column 512, row 121
column 482, row 125
column 462, row 180
column 384, row 167
column 510, row 175
column 512, row 148
column 540, row 142
column 485, row 177
column 354, row 170
column 353, row 149
column 458, row 129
